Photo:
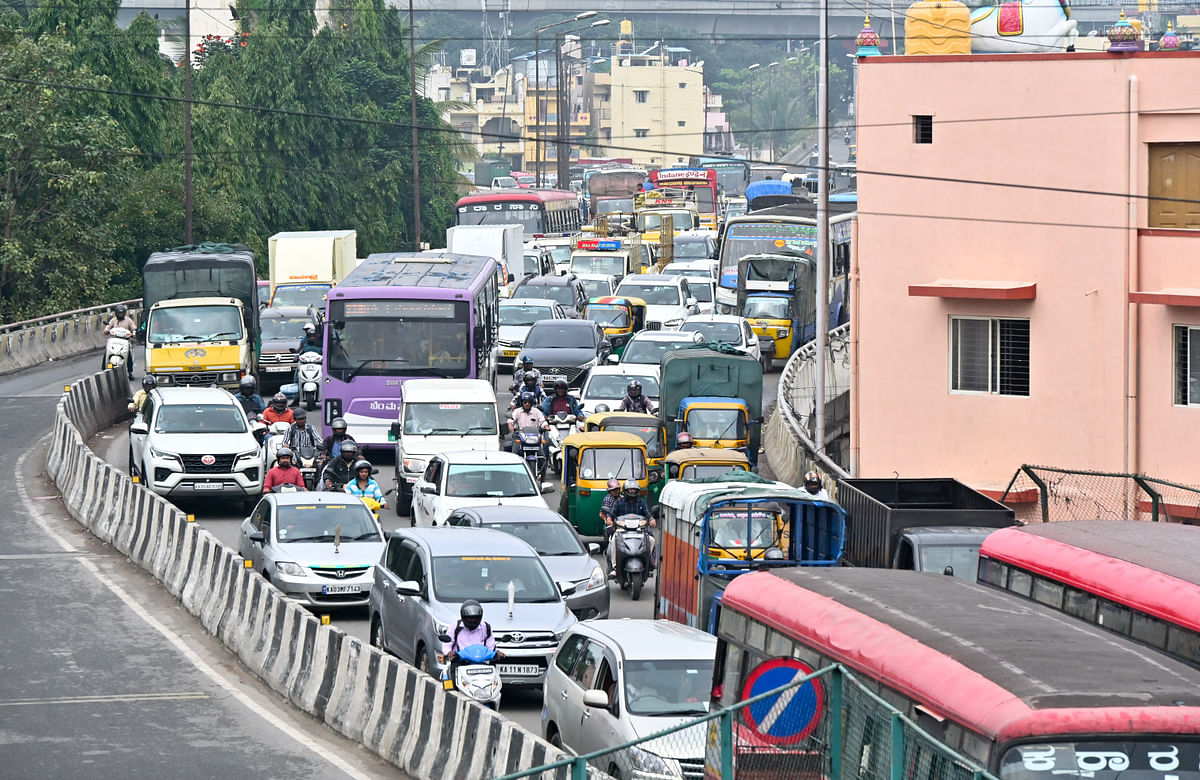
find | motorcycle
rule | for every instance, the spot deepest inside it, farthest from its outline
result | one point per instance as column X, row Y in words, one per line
column 631, row 553
column 473, row 674
column 374, row 505
column 306, row 459
column 274, row 438
column 562, row 425
column 531, row 451
column 289, row 488
column 116, row 348
column 308, row 378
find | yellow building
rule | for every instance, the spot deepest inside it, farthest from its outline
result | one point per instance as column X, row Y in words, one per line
column 649, row 106
column 544, row 156
column 485, row 107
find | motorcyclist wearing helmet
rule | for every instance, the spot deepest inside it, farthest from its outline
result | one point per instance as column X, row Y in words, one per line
column 252, row 403
column 631, row 502
column 363, row 485
column 311, row 341
column 339, row 471
column 278, row 410
column 470, row 629
column 283, row 472
column 814, row 487
column 330, row 446
column 301, row 434
column 526, row 416
column 684, row 441
column 137, row 405
column 560, row 401
column 635, row 401
column 121, row 319
column 526, row 368
column 529, row 384
column 606, row 508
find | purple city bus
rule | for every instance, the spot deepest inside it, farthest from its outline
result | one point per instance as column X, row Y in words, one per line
column 399, row 316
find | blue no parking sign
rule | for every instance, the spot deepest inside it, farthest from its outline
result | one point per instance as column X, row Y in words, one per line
column 789, row 716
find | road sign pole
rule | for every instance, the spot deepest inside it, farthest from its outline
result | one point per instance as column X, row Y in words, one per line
column 897, row 747
column 835, row 722
column 727, row 745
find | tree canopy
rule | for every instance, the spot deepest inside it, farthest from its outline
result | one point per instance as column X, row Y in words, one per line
column 296, row 126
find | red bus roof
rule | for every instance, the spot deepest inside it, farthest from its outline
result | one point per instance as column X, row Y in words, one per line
column 1003, row 666
column 1150, row 567
column 531, row 195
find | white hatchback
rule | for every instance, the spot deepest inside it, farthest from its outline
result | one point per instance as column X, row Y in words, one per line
column 454, row 480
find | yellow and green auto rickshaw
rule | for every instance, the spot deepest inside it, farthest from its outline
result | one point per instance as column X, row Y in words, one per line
column 590, row 460
column 647, row 427
column 619, row 316
column 703, row 463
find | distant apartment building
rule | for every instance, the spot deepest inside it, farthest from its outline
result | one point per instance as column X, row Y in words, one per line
column 1028, row 270
column 487, row 108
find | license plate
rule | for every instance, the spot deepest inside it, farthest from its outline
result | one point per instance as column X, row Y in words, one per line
column 208, row 486
column 520, row 670
column 552, row 378
column 510, row 352
column 334, row 589
column 277, row 369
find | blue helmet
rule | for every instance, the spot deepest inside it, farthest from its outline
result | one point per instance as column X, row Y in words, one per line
column 528, row 397
column 526, row 360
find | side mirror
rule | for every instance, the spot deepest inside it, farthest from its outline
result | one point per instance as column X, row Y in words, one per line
column 593, row 548
column 408, row 588
column 257, row 537
column 511, row 278
column 429, row 490
column 140, row 428
column 566, row 588
column 614, row 359
column 595, row 698
column 395, row 430
column 444, row 637
column 547, row 487
column 692, row 302
column 605, row 346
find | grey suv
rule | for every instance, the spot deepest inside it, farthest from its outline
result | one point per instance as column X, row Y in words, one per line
column 427, row 573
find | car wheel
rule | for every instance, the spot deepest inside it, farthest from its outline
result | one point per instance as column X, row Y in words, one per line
column 403, row 500
column 555, row 739
column 613, row 772
column 766, row 364
column 423, row 660
column 132, row 466
column 377, row 639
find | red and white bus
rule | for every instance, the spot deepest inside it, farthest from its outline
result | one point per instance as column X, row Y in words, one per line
column 1020, row 689
column 698, row 183
column 540, row 212
column 1137, row 579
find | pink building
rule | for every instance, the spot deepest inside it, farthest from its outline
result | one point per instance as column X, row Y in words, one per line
column 1022, row 298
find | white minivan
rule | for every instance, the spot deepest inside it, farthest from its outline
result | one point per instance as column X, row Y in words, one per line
column 437, row 415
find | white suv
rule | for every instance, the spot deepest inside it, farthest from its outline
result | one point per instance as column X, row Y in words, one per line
column 195, row 441
column 615, row 681
column 669, row 299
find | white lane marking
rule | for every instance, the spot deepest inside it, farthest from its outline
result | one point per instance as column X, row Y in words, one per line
column 111, row 698
column 180, row 645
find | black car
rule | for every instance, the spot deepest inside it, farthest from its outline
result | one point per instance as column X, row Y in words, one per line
column 567, row 291
column 566, row 349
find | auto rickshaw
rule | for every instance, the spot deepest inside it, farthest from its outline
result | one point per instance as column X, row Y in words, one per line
column 716, row 422
column 647, row 427
column 619, row 316
column 775, row 296
column 589, row 461
column 703, row 463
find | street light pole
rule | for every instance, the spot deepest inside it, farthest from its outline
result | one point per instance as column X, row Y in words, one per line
column 187, row 122
column 562, row 102
column 753, row 119
column 822, row 253
column 412, row 116
column 537, row 78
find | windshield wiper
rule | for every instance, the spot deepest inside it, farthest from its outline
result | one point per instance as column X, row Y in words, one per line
column 360, row 537
column 355, row 371
column 441, row 430
column 321, row 538
column 690, row 711
column 557, row 554
column 479, row 429
column 191, row 337
column 219, row 335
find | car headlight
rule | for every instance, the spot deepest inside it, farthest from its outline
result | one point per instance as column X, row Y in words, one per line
column 675, row 323
column 589, row 364
column 289, row 568
column 645, row 761
column 164, row 455
column 230, row 376
column 597, row 580
column 414, row 465
column 254, row 453
column 781, row 333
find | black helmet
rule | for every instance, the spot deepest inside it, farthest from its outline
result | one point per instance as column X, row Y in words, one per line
column 248, row 383
column 560, row 384
column 529, row 379
column 338, row 424
column 279, row 401
column 283, row 452
column 812, row 481
column 634, row 389
column 121, row 311
column 298, row 414
column 471, row 614
column 361, row 464
column 149, row 382
column 349, row 449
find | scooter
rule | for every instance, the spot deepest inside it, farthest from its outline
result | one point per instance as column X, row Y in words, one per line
column 306, row 459
column 531, row 451
column 631, row 553
column 562, row 425
column 473, row 674
column 276, row 433
column 116, row 348
column 308, row 377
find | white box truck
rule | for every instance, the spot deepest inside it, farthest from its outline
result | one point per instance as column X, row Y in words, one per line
column 503, row 243
column 304, row 265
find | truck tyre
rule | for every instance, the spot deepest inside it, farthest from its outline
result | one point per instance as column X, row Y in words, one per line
column 766, row 363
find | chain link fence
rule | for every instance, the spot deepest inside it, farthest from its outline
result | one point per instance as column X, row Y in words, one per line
column 826, row 724
column 1049, row 494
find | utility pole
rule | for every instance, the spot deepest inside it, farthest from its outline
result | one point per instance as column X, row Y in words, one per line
column 562, row 125
column 822, row 254
column 412, row 114
column 187, row 122
column 537, row 101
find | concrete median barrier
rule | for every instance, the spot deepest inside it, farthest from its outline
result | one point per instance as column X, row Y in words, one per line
column 388, row 706
column 66, row 335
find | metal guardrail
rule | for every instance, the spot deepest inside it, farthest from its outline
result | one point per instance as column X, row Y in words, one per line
column 66, row 315
column 64, row 335
column 790, row 449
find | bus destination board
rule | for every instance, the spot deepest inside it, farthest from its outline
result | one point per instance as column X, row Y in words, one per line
column 384, row 308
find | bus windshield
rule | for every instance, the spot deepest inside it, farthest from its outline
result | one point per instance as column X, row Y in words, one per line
column 652, row 220
column 754, row 238
column 614, row 206
column 194, row 323
column 606, row 265
column 514, row 212
column 394, row 337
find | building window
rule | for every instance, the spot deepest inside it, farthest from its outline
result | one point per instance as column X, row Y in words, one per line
column 1175, row 174
column 641, row 133
column 641, row 95
column 1187, row 366
column 683, row 85
column 922, row 129
column 989, row 355
column 683, row 123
